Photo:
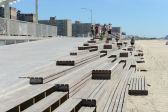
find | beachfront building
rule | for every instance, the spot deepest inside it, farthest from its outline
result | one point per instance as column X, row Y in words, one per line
column 117, row 30
column 26, row 17
column 13, row 12
column 81, row 29
column 64, row 26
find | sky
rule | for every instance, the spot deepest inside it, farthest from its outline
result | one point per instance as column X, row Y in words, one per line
column 147, row 18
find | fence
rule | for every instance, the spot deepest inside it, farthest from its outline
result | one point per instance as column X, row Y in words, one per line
column 22, row 28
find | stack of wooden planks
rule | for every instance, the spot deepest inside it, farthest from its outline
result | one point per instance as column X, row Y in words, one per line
column 138, row 86
column 93, row 78
column 139, row 56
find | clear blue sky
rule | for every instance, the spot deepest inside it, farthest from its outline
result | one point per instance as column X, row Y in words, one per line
column 138, row 17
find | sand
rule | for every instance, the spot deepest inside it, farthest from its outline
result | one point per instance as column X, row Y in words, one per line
column 156, row 62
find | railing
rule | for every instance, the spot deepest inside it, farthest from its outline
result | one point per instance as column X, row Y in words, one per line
column 22, row 28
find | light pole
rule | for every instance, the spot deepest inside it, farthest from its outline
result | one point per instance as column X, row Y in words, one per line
column 7, row 16
column 37, row 11
column 91, row 12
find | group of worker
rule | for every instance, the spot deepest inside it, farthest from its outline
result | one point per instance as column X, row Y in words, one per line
column 99, row 31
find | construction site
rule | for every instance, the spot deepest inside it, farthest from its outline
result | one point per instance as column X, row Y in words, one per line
column 97, row 75
column 54, row 65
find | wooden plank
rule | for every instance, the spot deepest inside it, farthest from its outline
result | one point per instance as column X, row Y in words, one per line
column 111, row 95
column 47, row 102
column 104, row 73
column 146, row 88
column 122, row 102
column 131, row 84
column 92, row 41
column 111, row 101
column 119, row 44
column 73, row 60
column 77, row 88
column 119, row 94
column 130, row 49
column 69, row 105
column 97, row 90
column 101, row 74
column 45, row 71
column 79, row 77
column 93, row 49
column 89, row 102
column 107, row 46
column 124, row 54
column 56, row 73
column 137, row 84
column 62, row 87
column 88, row 89
column 140, row 84
column 84, row 47
column 142, row 87
column 17, row 98
column 103, row 94
column 87, row 109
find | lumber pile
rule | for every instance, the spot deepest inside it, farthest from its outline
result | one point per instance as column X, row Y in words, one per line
column 139, row 56
column 138, row 86
column 93, row 77
column 124, row 54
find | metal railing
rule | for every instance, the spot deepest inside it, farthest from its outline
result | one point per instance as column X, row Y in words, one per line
column 22, row 28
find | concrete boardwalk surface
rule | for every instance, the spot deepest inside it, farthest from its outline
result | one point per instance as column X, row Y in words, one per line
column 18, row 59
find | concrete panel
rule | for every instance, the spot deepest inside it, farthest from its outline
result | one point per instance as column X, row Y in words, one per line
column 23, row 28
column 49, row 31
column 27, row 28
column 9, row 42
column 3, row 26
column 31, row 29
column 38, row 30
column 14, row 27
column 2, row 42
column 55, row 30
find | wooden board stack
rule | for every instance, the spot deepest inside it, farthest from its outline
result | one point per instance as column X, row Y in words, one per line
column 94, row 77
column 138, row 86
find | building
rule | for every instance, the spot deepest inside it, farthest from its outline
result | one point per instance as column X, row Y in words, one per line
column 17, row 15
column 13, row 13
column 117, row 30
column 26, row 17
column 1, row 12
column 30, row 18
column 64, row 26
column 81, row 29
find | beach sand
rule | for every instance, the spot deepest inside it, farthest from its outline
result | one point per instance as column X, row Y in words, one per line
column 156, row 62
